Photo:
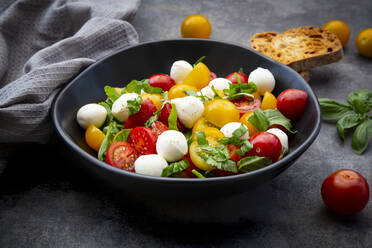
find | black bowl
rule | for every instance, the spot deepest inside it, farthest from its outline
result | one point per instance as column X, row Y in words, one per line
column 143, row 60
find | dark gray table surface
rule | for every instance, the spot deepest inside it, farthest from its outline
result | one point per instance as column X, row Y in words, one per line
column 46, row 202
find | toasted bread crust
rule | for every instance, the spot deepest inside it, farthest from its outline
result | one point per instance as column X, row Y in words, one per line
column 301, row 48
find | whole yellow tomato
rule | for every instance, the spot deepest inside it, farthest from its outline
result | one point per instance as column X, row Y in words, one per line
column 340, row 29
column 220, row 112
column 363, row 42
column 177, row 90
column 196, row 26
column 94, row 137
column 199, row 77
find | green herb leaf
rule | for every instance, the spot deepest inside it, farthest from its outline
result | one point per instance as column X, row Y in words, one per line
column 245, row 147
column 275, row 117
column 361, row 100
column 106, row 143
column 241, row 70
column 195, row 94
column 189, row 138
column 172, row 119
column 136, row 86
column 362, row 136
column 235, row 139
column 240, row 88
column 216, row 96
column 333, row 110
column 218, row 157
column 237, row 78
column 199, row 60
column 232, row 97
column 134, row 105
column 122, row 135
column 200, row 137
column 197, row 174
column 111, row 93
column 174, row 168
column 347, row 122
column 253, row 163
column 110, row 116
column 259, row 120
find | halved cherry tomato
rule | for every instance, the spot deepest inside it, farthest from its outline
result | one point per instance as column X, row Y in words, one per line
column 94, row 137
column 177, row 91
column 143, row 139
column 212, row 132
column 138, row 119
column 213, row 75
column 251, row 129
column 201, row 124
column 164, row 115
column 199, row 77
column 158, row 127
column 122, row 155
column 292, row 103
column 155, row 98
column 265, row 145
column 268, row 101
column 161, row 81
column 195, row 154
column 220, row 112
column 245, row 104
column 243, row 78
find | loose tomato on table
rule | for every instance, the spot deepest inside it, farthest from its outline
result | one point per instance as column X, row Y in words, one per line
column 363, row 42
column 345, row 192
column 143, row 139
column 162, row 81
column 265, row 145
column 340, row 29
column 196, row 26
column 243, row 78
column 164, row 115
column 246, row 104
column 122, row 155
column 158, row 127
column 292, row 103
column 138, row 119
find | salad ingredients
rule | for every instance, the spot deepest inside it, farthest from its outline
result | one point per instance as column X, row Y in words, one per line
column 158, row 127
column 146, row 109
column 340, row 29
column 171, row 145
column 119, row 107
column 196, row 26
column 265, row 145
column 199, row 77
column 292, row 103
column 122, row 155
column 345, row 192
column 214, row 109
column 91, row 114
column 245, row 120
column 165, row 114
column 189, row 110
column 263, row 79
column 150, row 165
column 155, row 99
column 179, row 90
column 179, row 71
column 246, row 104
column 282, row 136
column 162, row 81
column 219, row 84
column 364, row 42
column 269, row 101
column 241, row 77
column 143, row 139
column 94, row 137
column 229, row 129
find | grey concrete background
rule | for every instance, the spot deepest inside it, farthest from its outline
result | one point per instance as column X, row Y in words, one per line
column 46, row 202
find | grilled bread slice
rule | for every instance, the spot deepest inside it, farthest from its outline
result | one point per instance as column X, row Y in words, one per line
column 301, row 48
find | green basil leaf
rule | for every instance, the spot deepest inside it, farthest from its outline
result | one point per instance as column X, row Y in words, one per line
column 200, row 137
column 275, row 117
column 362, row 136
column 245, row 147
column 193, row 93
column 172, row 119
column 361, row 100
column 122, row 135
column 216, row 96
column 199, row 60
column 197, row 174
column 347, row 122
column 253, row 163
column 137, row 86
column 259, row 120
column 235, row 138
column 174, row 168
column 218, row 157
column 134, row 105
column 238, row 95
column 105, row 143
column 110, row 116
column 240, row 88
column 111, row 93
column 333, row 110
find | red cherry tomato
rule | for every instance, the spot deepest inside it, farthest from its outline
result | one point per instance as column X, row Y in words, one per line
column 158, row 127
column 213, row 75
column 345, row 192
column 143, row 139
column 164, row 115
column 234, row 156
column 292, row 103
column 243, row 78
column 265, row 145
column 245, row 104
column 161, row 81
column 122, row 155
column 147, row 110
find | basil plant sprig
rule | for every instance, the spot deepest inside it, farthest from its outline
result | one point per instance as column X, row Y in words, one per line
column 349, row 115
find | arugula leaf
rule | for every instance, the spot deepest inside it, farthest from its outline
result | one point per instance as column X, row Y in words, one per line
column 197, row 174
column 253, row 163
column 122, row 135
column 259, row 120
column 200, row 137
column 199, row 60
column 347, row 122
column 241, row 88
column 174, row 168
column 106, row 142
column 275, row 117
column 136, row 86
column 111, row 93
column 172, row 119
column 361, row 100
column 333, row 110
column 134, row 105
column 362, row 136
column 237, row 78
column 110, row 116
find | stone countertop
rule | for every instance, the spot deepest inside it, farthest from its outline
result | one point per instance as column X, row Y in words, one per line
column 46, row 202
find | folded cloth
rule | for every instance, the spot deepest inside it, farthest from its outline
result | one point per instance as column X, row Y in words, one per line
column 43, row 45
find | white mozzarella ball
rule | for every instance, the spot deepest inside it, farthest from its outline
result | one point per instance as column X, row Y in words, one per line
column 150, row 165
column 91, row 113
column 189, row 110
column 119, row 108
column 207, row 92
column 230, row 127
column 282, row 136
column 179, row 71
column 263, row 79
column 171, row 145
column 220, row 83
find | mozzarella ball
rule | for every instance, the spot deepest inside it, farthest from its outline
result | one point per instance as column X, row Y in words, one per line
column 91, row 113
column 230, row 127
column 220, row 83
column 119, row 108
column 179, row 71
column 171, row 145
column 263, row 79
column 207, row 92
column 150, row 165
column 189, row 110
column 282, row 136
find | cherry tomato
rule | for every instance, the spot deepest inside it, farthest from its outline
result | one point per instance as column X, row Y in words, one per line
column 268, row 101
column 201, row 124
column 162, row 81
column 234, row 156
column 364, row 42
column 265, row 145
column 211, row 132
column 244, row 119
column 164, row 115
column 195, row 154
column 155, row 98
column 345, row 192
column 340, row 29
column 245, row 104
column 138, row 119
column 292, row 103
column 158, row 127
column 196, row 26
column 177, row 91
column 199, row 77
column 192, row 166
column 213, row 75
column 243, row 78
column 143, row 139
column 122, row 155
column 94, row 137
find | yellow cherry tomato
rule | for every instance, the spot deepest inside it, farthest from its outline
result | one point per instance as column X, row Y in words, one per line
column 201, row 124
column 211, row 132
column 199, row 77
column 268, row 101
column 257, row 95
column 155, row 98
column 364, row 42
column 177, row 90
column 195, row 154
column 251, row 129
column 196, row 26
column 340, row 29
column 94, row 137
column 220, row 112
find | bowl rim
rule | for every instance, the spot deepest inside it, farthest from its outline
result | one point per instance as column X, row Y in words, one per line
column 290, row 157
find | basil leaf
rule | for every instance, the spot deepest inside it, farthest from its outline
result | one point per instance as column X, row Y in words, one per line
column 197, row 174
column 241, row 88
column 333, row 110
column 362, row 136
column 111, row 93
column 134, row 105
column 235, row 138
column 245, row 147
column 174, row 168
column 172, row 119
column 193, row 93
column 189, row 138
column 200, row 137
column 137, row 86
column 259, row 120
column 199, row 60
column 361, row 100
column 238, row 95
column 347, row 122
column 253, row 163
column 122, row 135
column 275, row 117
column 218, row 157
column 105, row 143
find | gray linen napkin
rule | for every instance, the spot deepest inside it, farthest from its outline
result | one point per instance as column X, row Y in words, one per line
column 45, row 43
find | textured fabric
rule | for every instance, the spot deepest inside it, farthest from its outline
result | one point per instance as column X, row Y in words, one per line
column 45, row 43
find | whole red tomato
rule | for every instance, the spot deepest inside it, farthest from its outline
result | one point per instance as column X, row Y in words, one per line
column 265, row 145
column 345, row 192
column 292, row 103
column 243, row 78
column 161, row 81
